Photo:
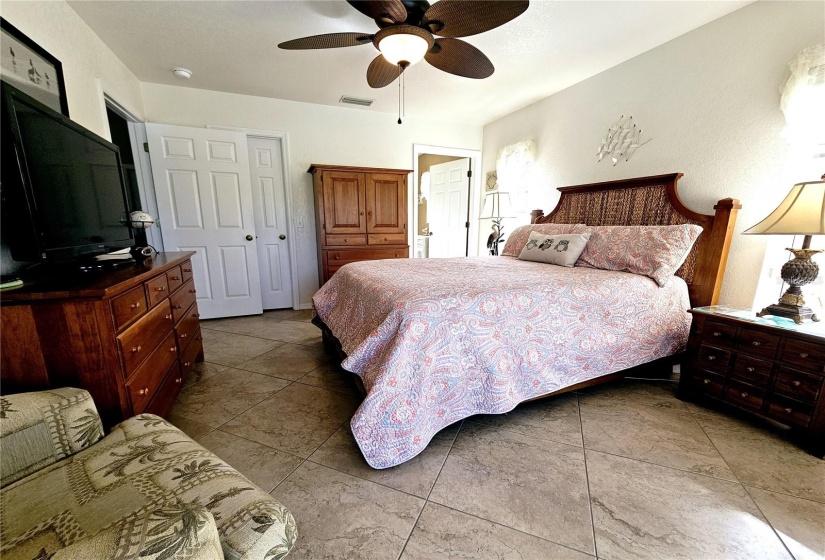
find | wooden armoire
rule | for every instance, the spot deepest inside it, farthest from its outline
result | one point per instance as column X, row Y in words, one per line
column 360, row 215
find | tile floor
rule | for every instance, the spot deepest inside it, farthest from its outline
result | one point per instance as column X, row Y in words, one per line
column 625, row 471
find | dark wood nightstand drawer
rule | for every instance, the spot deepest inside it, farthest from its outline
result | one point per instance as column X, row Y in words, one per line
column 752, row 370
column 804, row 355
column 801, row 386
column 790, row 411
column 758, row 343
column 744, row 395
column 718, row 333
column 709, row 383
column 713, row 359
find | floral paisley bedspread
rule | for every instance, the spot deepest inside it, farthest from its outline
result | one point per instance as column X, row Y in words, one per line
column 438, row 340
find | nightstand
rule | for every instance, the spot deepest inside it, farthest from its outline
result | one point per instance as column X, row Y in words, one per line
column 765, row 366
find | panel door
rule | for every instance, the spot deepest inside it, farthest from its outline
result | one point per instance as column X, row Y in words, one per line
column 204, row 198
column 447, row 208
column 269, row 197
column 344, row 202
column 386, row 203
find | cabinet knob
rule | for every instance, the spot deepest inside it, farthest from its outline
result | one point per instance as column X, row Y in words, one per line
column 717, row 333
column 136, row 349
column 143, row 392
column 796, row 383
column 187, row 270
column 750, row 369
column 160, row 289
column 711, row 358
column 335, row 257
column 179, row 379
column 183, row 335
column 192, row 291
column 173, row 349
column 169, row 316
column 196, row 315
column 803, row 355
column 788, row 410
column 198, row 338
column 177, row 307
column 187, row 364
column 744, row 395
column 756, row 343
column 134, row 305
column 706, row 381
column 175, row 278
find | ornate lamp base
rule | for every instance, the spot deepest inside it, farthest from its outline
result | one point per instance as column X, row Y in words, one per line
column 797, row 272
column 796, row 312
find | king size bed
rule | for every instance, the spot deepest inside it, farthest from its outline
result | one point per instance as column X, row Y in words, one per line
column 434, row 341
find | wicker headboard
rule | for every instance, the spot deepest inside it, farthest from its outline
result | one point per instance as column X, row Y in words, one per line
column 655, row 201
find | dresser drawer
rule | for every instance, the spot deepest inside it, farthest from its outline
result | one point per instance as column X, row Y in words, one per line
column 387, row 239
column 758, row 343
column 190, row 355
column 174, row 279
column 790, row 411
column 708, row 383
column 804, row 355
column 186, row 327
column 139, row 340
column 714, row 359
column 182, row 300
column 167, row 393
column 186, row 271
column 752, row 370
column 744, row 395
column 801, row 386
column 128, row 307
column 143, row 384
column 157, row 290
column 346, row 256
column 346, row 240
column 716, row 333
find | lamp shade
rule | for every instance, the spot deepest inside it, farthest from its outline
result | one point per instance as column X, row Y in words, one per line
column 497, row 205
column 801, row 213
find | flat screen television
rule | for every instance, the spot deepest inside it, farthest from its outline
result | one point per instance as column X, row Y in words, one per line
column 63, row 193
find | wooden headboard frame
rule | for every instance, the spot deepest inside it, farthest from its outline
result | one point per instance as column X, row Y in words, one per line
column 655, row 201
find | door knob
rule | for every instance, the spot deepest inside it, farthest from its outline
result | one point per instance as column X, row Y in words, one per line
column 282, row 237
column 249, row 238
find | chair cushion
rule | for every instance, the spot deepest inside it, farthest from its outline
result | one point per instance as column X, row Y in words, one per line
column 144, row 464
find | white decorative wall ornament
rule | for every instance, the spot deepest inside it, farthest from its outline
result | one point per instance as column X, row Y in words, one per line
column 514, row 170
column 622, row 140
column 803, row 98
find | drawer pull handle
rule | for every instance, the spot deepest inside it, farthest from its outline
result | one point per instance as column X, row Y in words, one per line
column 196, row 315
column 160, row 288
column 198, row 338
column 183, row 335
column 143, row 392
column 788, row 410
column 717, row 333
column 706, row 381
column 169, row 316
column 803, row 355
column 177, row 307
column 178, row 380
column 711, row 358
column 187, row 270
column 187, row 364
column 796, row 383
column 176, row 278
column 173, row 349
column 335, row 257
column 192, row 291
column 756, row 343
column 744, row 395
column 136, row 349
column 134, row 305
column 750, row 369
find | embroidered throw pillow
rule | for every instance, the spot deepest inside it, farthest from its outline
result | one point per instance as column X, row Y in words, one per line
column 518, row 238
column 653, row 251
column 561, row 249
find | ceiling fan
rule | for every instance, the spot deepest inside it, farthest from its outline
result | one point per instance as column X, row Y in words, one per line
column 406, row 35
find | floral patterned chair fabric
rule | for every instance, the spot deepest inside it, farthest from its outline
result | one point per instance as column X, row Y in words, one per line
column 144, row 491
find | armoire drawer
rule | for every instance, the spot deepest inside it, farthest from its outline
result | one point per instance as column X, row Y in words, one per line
column 157, row 290
column 148, row 377
column 139, row 340
column 182, row 300
column 128, row 307
column 346, row 240
column 346, row 256
column 387, row 239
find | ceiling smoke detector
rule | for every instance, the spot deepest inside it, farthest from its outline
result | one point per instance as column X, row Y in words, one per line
column 182, row 73
column 356, row 101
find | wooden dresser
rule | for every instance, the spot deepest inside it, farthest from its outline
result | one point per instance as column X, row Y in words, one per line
column 360, row 215
column 768, row 367
column 129, row 336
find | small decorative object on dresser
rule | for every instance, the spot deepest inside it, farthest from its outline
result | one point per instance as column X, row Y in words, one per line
column 768, row 367
column 801, row 213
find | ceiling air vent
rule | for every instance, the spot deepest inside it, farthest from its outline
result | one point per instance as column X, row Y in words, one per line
column 356, row 101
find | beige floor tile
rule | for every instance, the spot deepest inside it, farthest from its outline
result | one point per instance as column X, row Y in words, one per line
column 765, row 459
column 643, row 511
column 296, row 332
column 343, row 517
column 202, row 371
column 659, row 394
column 664, row 436
column 533, row 485
column 191, row 428
column 229, row 349
column 416, row 476
column 446, row 533
column 288, row 361
column 800, row 523
column 264, row 466
column 329, row 376
column 296, row 420
column 221, row 398
column 554, row 419
column 289, row 314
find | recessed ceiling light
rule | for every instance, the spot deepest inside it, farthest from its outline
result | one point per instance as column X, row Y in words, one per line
column 182, row 73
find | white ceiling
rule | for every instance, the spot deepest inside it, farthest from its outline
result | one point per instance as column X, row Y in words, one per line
column 232, row 46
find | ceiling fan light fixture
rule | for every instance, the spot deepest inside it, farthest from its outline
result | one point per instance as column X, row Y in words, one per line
column 403, row 47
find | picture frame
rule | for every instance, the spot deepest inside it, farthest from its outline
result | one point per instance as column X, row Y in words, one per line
column 31, row 68
column 492, row 181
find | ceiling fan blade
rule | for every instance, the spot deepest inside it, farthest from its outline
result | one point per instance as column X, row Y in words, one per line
column 381, row 73
column 461, row 18
column 328, row 41
column 391, row 11
column 457, row 57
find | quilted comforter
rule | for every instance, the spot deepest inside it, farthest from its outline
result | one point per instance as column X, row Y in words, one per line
column 439, row 340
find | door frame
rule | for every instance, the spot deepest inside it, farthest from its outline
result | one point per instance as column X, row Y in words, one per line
column 475, row 189
column 285, row 158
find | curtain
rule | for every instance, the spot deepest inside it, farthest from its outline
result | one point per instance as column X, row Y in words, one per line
column 803, row 98
column 514, row 167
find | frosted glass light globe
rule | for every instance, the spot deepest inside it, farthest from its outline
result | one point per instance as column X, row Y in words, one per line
column 401, row 46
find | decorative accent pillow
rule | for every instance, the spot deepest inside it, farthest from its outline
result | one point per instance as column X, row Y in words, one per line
column 653, row 251
column 518, row 238
column 562, row 249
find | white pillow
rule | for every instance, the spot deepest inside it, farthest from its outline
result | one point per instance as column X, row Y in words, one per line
column 563, row 250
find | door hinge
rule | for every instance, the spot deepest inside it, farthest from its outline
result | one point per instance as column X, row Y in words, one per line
column 405, row 226
column 146, row 147
column 470, row 173
column 467, row 225
column 323, row 226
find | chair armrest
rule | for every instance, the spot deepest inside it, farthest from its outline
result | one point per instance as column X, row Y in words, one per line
column 40, row 429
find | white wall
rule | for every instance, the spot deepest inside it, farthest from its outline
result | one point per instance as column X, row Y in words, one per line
column 710, row 101
column 57, row 28
column 316, row 134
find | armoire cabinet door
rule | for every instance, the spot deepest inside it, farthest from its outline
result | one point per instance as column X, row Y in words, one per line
column 386, row 203
column 344, row 202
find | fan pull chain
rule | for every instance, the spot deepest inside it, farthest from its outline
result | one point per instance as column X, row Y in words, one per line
column 404, row 95
column 400, row 75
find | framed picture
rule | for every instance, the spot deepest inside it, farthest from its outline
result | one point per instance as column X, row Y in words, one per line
column 492, row 181
column 31, row 69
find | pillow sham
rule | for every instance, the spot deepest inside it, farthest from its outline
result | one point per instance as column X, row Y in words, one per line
column 653, row 251
column 562, row 249
column 518, row 238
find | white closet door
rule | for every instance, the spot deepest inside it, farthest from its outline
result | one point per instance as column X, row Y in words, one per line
column 447, row 208
column 204, row 198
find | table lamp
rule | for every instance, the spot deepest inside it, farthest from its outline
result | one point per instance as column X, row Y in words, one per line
column 497, row 207
column 801, row 213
